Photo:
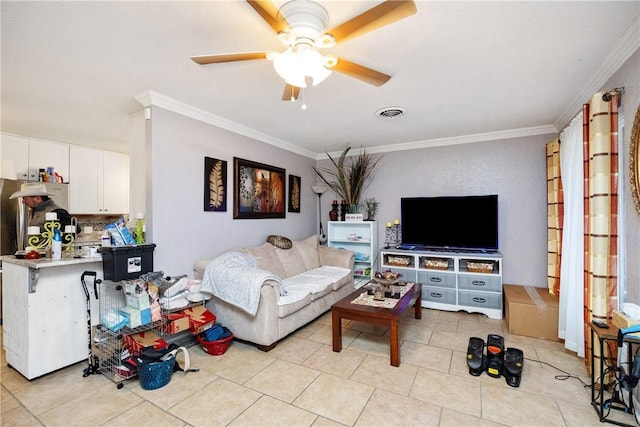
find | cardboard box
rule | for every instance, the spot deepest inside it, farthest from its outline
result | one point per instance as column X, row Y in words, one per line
column 139, row 301
column 137, row 317
column 530, row 311
column 174, row 323
column 200, row 319
column 136, row 342
column 622, row 321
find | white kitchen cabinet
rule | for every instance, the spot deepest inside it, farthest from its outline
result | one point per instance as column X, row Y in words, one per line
column 44, row 154
column 115, row 189
column 28, row 155
column 15, row 156
column 98, row 181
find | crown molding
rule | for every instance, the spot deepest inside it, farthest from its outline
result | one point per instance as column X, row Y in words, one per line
column 629, row 43
column 455, row 140
column 149, row 98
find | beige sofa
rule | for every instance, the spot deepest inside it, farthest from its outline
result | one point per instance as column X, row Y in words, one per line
column 264, row 293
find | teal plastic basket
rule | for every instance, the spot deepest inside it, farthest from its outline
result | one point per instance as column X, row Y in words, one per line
column 156, row 374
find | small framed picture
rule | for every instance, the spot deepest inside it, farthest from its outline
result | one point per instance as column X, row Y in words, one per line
column 215, row 185
column 294, row 193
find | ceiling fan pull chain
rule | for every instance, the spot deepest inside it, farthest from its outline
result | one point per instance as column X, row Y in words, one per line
column 304, row 104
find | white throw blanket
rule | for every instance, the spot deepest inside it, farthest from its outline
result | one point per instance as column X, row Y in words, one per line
column 235, row 278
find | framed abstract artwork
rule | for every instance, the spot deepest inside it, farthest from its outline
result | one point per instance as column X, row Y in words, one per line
column 215, row 185
column 294, row 193
column 259, row 190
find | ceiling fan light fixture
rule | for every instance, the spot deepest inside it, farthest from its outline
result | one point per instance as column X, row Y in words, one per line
column 299, row 62
column 290, row 68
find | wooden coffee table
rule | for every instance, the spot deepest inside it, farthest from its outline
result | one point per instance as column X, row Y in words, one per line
column 344, row 309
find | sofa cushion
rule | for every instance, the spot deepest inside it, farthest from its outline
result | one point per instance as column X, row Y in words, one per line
column 318, row 286
column 295, row 300
column 267, row 259
column 339, row 276
column 308, row 249
column 291, row 260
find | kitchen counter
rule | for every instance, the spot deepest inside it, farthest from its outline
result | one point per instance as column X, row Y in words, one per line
column 48, row 262
column 45, row 312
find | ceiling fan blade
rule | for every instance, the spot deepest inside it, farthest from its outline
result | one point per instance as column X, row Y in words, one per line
column 361, row 72
column 269, row 12
column 228, row 57
column 383, row 14
column 289, row 92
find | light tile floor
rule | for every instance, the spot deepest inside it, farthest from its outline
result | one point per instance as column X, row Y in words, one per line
column 302, row 382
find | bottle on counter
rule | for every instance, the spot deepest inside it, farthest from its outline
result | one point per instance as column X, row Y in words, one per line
column 56, row 245
column 106, row 238
column 139, row 229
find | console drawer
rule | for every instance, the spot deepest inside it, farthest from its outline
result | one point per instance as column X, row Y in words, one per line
column 480, row 299
column 436, row 278
column 441, row 295
column 480, row 283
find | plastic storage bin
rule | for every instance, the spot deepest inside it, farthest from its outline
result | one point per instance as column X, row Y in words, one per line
column 126, row 262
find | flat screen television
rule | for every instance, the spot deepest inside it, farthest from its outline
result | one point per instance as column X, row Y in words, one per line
column 451, row 222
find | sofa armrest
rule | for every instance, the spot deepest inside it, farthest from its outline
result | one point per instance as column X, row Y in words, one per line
column 336, row 257
column 199, row 267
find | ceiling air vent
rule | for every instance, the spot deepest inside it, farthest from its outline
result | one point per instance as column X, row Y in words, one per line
column 391, row 112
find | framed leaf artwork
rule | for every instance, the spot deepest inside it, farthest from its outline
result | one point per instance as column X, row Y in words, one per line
column 294, row 193
column 258, row 190
column 215, row 185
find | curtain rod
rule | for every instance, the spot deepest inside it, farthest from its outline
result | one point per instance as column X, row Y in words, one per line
column 606, row 97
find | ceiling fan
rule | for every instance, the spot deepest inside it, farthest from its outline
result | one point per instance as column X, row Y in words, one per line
column 300, row 25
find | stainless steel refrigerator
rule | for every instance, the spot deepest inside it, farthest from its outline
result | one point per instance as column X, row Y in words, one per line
column 14, row 217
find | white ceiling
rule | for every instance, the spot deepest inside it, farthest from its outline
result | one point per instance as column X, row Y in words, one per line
column 463, row 70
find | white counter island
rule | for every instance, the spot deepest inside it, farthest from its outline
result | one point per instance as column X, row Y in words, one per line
column 45, row 312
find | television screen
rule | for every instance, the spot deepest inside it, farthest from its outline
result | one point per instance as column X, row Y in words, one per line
column 459, row 222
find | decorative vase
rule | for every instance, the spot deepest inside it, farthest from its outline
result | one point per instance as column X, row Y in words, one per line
column 343, row 210
column 333, row 214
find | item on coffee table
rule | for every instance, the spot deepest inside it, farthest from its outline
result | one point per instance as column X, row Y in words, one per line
column 387, row 277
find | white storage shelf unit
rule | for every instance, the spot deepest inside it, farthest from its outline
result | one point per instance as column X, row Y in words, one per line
column 361, row 237
column 452, row 281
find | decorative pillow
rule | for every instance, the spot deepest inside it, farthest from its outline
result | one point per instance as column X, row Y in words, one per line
column 280, row 241
column 291, row 261
column 308, row 249
column 266, row 259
